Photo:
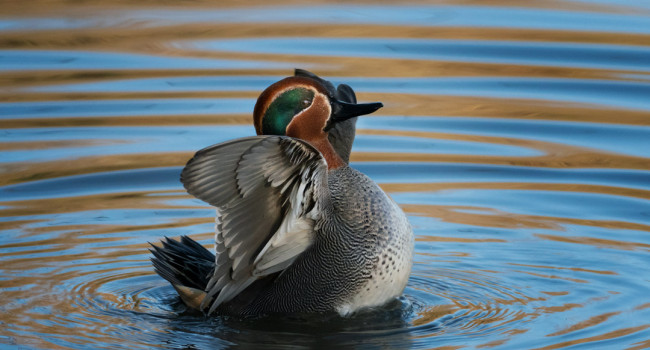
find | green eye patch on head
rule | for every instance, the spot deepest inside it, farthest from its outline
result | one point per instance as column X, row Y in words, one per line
column 284, row 108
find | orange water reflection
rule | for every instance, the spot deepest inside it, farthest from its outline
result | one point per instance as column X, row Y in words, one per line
column 74, row 264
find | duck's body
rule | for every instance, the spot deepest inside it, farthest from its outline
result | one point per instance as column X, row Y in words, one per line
column 298, row 230
column 361, row 255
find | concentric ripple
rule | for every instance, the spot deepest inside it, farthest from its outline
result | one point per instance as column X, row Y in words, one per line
column 514, row 135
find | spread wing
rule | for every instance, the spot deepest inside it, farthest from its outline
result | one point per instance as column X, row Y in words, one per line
column 268, row 191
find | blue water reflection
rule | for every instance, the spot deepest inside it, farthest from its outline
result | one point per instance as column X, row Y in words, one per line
column 515, row 137
column 409, row 15
column 485, row 51
column 625, row 139
column 118, row 108
column 14, row 60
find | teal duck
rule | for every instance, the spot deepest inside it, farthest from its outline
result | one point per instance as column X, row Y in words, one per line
column 297, row 229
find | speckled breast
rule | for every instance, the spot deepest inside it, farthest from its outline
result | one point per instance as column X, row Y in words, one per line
column 382, row 237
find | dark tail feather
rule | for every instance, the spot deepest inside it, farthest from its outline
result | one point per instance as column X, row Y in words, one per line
column 183, row 263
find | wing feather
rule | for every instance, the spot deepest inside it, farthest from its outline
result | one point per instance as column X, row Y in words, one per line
column 268, row 191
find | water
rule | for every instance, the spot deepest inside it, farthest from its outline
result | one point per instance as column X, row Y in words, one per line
column 515, row 136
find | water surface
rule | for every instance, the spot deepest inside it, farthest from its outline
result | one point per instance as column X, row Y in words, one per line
column 515, row 136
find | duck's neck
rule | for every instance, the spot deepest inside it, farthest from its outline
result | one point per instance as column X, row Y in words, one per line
column 334, row 161
column 323, row 145
column 341, row 136
column 309, row 126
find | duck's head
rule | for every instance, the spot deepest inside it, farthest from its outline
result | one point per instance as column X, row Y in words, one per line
column 307, row 107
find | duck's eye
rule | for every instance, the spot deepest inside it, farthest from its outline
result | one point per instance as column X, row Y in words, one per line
column 305, row 103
